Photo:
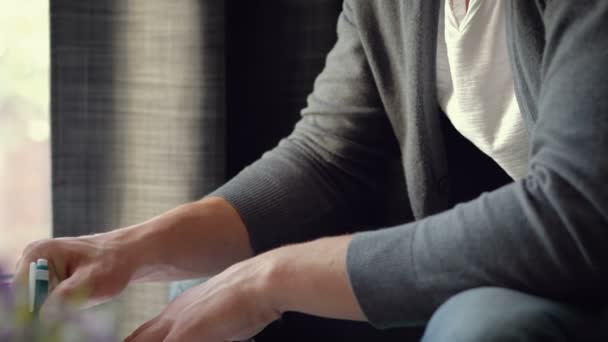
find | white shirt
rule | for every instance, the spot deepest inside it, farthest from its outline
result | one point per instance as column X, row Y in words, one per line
column 475, row 83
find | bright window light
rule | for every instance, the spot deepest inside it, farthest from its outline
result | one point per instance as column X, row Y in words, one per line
column 25, row 192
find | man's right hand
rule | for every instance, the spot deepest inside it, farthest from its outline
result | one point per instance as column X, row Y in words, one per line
column 193, row 240
column 84, row 270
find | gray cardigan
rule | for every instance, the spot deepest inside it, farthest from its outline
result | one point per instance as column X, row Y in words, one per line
column 376, row 100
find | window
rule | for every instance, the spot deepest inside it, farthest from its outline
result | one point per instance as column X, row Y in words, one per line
column 25, row 196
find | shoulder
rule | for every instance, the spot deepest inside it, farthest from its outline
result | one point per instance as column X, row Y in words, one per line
column 378, row 12
column 391, row 19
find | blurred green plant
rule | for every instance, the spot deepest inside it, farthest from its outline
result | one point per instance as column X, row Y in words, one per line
column 17, row 324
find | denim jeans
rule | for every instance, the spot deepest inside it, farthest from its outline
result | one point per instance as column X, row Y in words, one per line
column 495, row 314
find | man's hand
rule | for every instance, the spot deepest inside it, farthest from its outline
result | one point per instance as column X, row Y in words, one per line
column 196, row 239
column 235, row 305
column 238, row 303
column 91, row 269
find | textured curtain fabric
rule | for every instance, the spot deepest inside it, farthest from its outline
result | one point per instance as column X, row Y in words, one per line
column 155, row 103
column 138, row 117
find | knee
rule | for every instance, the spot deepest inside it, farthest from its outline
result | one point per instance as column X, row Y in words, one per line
column 487, row 314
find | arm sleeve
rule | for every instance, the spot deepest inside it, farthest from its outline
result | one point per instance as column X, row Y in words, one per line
column 546, row 234
column 314, row 178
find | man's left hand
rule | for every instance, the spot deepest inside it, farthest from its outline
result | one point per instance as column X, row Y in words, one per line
column 238, row 303
column 231, row 306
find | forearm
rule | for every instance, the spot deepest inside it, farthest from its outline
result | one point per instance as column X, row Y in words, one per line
column 311, row 278
column 193, row 240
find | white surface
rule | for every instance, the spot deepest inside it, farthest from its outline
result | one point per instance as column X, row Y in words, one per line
column 32, row 286
column 25, row 182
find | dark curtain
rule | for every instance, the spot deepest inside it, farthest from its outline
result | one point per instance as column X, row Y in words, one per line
column 155, row 103
column 138, row 118
column 275, row 49
column 138, row 109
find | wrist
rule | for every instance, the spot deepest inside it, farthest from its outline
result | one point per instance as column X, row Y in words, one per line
column 130, row 245
column 276, row 281
column 142, row 246
column 312, row 278
column 196, row 239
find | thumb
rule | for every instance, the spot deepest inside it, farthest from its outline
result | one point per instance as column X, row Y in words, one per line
column 72, row 291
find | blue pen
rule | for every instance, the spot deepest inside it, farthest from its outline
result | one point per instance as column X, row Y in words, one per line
column 38, row 284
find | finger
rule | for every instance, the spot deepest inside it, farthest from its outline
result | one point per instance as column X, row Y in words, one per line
column 19, row 284
column 66, row 291
column 30, row 254
column 57, row 270
column 36, row 250
column 18, row 268
column 155, row 330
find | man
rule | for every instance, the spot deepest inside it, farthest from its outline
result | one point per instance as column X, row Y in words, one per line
column 524, row 81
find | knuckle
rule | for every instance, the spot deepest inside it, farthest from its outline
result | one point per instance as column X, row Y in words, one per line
column 35, row 247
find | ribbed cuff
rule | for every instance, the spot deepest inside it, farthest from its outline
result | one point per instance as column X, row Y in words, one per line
column 257, row 200
column 277, row 205
column 382, row 274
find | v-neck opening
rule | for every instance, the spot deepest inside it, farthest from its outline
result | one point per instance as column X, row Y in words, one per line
column 461, row 24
